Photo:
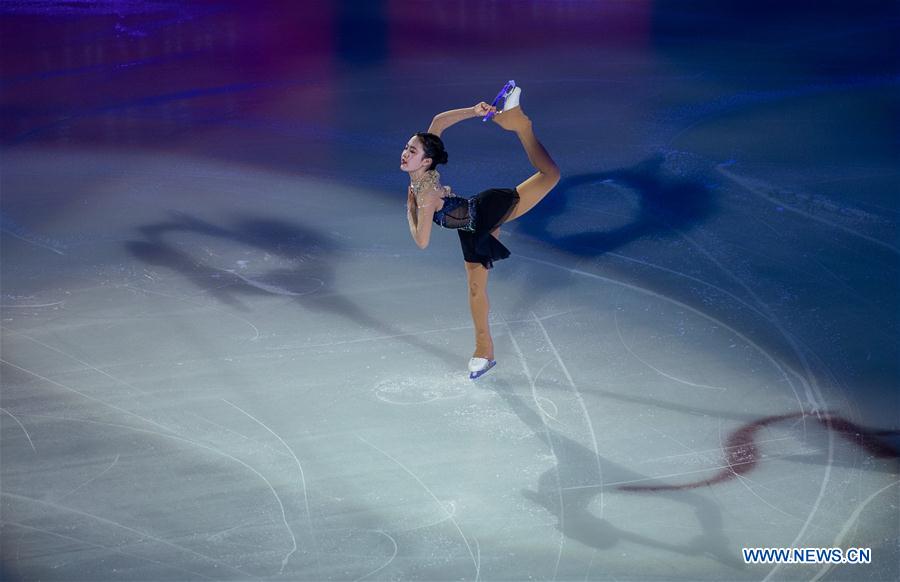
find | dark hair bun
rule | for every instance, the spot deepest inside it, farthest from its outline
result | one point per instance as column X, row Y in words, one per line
column 433, row 147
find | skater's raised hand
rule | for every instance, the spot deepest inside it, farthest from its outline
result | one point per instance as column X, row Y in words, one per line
column 483, row 109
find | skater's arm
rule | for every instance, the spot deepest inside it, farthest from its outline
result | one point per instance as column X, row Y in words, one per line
column 419, row 216
column 412, row 213
column 444, row 120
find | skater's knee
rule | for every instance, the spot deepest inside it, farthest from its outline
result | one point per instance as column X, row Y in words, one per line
column 552, row 173
column 476, row 290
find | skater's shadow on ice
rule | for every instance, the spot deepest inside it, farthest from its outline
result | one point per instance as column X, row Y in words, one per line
column 665, row 204
column 856, row 451
column 300, row 267
column 583, row 215
column 570, row 488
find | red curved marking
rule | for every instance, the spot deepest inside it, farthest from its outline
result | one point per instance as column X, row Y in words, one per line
column 741, row 454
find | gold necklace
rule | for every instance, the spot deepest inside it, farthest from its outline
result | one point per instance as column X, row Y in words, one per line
column 429, row 181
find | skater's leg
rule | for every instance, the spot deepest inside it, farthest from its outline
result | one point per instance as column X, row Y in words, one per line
column 477, row 277
column 532, row 190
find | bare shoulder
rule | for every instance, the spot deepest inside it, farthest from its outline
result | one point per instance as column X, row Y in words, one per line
column 430, row 200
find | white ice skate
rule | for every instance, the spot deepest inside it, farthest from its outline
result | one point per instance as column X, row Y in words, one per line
column 512, row 100
column 479, row 366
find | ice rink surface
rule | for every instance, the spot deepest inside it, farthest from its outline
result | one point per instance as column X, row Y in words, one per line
column 223, row 357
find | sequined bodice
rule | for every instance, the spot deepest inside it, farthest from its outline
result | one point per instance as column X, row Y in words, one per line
column 457, row 212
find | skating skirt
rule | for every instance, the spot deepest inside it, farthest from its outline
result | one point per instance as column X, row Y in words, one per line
column 492, row 208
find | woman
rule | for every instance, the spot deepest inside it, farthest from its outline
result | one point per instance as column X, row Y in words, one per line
column 476, row 219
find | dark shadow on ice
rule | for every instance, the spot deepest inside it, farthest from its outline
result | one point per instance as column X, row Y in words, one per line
column 873, row 443
column 666, row 204
column 568, row 490
column 9, row 574
column 311, row 254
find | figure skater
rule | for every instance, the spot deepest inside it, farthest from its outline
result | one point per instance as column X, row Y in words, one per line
column 476, row 219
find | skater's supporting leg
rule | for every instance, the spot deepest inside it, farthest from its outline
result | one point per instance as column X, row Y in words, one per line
column 477, row 277
column 532, row 190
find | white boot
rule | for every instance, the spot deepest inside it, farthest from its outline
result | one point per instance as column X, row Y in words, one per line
column 478, row 367
column 512, row 100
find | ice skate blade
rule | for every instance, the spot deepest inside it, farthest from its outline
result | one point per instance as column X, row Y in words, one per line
column 503, row 94
column 474, row 375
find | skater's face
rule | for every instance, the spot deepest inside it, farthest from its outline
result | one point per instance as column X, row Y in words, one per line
column 413, row 156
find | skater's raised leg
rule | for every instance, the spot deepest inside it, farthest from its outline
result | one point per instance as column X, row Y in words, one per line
column 532, row 190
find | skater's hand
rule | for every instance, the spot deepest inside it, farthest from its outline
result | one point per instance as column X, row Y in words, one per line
column 483, row 109
column 410, row 200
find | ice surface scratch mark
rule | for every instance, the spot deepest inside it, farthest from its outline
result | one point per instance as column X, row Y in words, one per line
column 274, row 289
column 369, row 339
column 122, row 526
column 309, row 517
column 553, row 416
column 590, row 565
column 744, row 455
column 584, row 409
column 71, row 357
column 432, row 524
column 217, row 425
column 848, row 524
column 678, row 474
column 783, row 368
column 409, row 334
column 386, row 564
column 198, row 304
column 691, row 452
column 29, row 241
column 264, row 445
column 812, row 391
column 113, row 406
column 102, row 547
column 868, row 175
column 743, row 182
column 32, row 305
column 477, row 551
column 744, row 481
column 89, row 481
column 436, row 500
column 850, row 290
column 741, row 477
column 549, row 439
column 694, row 279
column 209, row 290
column 657, row 370
column 254, row 547
column 537, row 399
column 733, row 103
column 222, row 533
column 22, row 427
column 193, row 443
column 705, row 451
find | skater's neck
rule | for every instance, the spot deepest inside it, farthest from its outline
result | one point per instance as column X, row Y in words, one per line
column 420, row 175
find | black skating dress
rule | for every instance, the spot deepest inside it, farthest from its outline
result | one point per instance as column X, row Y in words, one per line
column 474, row 218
